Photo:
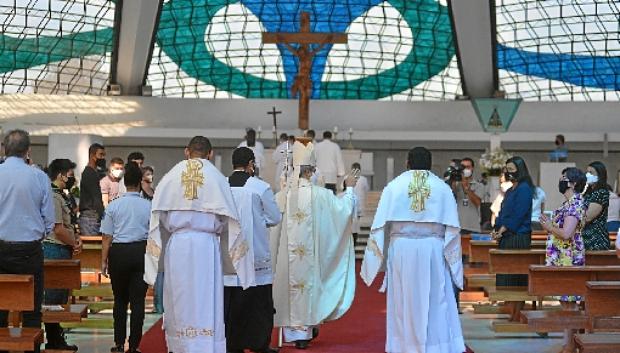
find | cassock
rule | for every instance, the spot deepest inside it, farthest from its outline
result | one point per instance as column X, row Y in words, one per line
column 249, row 313
column 415, row 234
column 361, row 190
column 192, row 207
column 314, row 257
column 329, row 161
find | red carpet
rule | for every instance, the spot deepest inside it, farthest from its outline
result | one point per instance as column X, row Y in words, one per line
column 361, row 330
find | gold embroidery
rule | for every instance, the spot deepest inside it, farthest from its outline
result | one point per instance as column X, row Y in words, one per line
column 239, row 251
column 152, row 248
column 192, row 178
column 299, row 216
column 300, row 251
column 374, row 248
column 192, row 332
column 419, row 190
column 299, row 286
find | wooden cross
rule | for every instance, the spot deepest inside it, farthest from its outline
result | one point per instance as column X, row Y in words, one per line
column 304, row 38
column 275, row 112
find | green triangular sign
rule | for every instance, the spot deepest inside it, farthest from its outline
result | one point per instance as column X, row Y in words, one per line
column 495, row 114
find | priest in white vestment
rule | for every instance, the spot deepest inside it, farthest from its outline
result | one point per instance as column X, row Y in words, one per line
column 193, row 207
column 249, row 313
column 314, row 258
column 415, row 234
column 329, row 161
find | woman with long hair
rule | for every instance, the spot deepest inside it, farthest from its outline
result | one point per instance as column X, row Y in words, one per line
column 513, row 226
column 595, row 234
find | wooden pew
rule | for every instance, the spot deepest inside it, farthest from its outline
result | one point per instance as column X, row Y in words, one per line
column 542, row 235
column 17, row 293
column 557, row 281
column 63, row 274
column 602, row 310
column 90, row 257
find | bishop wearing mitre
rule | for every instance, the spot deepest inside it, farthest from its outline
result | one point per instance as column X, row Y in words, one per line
column 312, row 251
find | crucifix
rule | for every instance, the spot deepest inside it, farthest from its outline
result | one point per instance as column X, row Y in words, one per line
column 274, row 113
column 302, row 84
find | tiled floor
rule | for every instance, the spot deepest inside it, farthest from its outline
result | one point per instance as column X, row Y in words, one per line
column 478, row 336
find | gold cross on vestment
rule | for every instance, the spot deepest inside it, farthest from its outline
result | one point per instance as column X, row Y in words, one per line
column 192, row 179
column 419, row 190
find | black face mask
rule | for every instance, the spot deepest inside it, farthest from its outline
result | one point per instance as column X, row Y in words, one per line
column 510, row 176
column 70, row 183
column 100, row 163
column 563, row 186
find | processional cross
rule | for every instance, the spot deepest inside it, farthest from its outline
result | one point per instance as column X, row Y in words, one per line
column 275, row 113
column 304, row 38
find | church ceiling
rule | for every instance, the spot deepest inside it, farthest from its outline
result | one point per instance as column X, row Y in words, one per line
column 397, row 49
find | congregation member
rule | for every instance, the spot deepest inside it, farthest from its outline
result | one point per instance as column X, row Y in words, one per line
column 125, row 228
column 513, row 226
column 314, row 258
column 256, row 147
column 496, row 205
column 595, row 234
column 613, row 213
column 61, row 244
column 329, row 161
column 147, row 189
column 110, row 184
column 136, row 157
column 565, row 245
column 417, row 223
column 192, row 208
column 538, row 207
column 26, row 196
column 249, row 313
column 280, row 156
column 91, row 201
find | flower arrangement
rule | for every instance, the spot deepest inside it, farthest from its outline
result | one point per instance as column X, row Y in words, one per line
column 493, row 162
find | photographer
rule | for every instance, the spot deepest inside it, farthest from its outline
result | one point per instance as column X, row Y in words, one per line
column 468, row 194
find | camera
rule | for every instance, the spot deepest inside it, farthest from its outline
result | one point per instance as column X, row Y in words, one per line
column 453, row 173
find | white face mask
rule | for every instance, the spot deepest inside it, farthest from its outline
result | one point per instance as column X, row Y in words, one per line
column 591, row 178
column 117, row 173
column 467, row 173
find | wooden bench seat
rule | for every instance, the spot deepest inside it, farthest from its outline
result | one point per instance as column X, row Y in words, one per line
column 556, row 281
column 63, row 274
column 20, row 339
column 602, row 305
column 17, row 293
column 598, row 343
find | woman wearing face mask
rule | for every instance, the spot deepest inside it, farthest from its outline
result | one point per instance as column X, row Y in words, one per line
column 565, row 245
column 513, row 226
column 595, row 234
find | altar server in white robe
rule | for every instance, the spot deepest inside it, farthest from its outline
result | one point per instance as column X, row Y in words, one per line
column 415, row 234
column 280, row 156
column 192, row 207
column 329, row 161
column 249, row 313
column 315, row 263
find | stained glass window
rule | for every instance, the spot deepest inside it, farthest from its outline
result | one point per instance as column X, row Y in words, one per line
column 559, row 50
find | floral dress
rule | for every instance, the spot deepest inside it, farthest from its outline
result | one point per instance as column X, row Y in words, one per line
column 570, row 252
column 595, row 233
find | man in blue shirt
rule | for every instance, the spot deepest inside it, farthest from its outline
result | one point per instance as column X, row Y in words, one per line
column 26, row 216
column 125, row 228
